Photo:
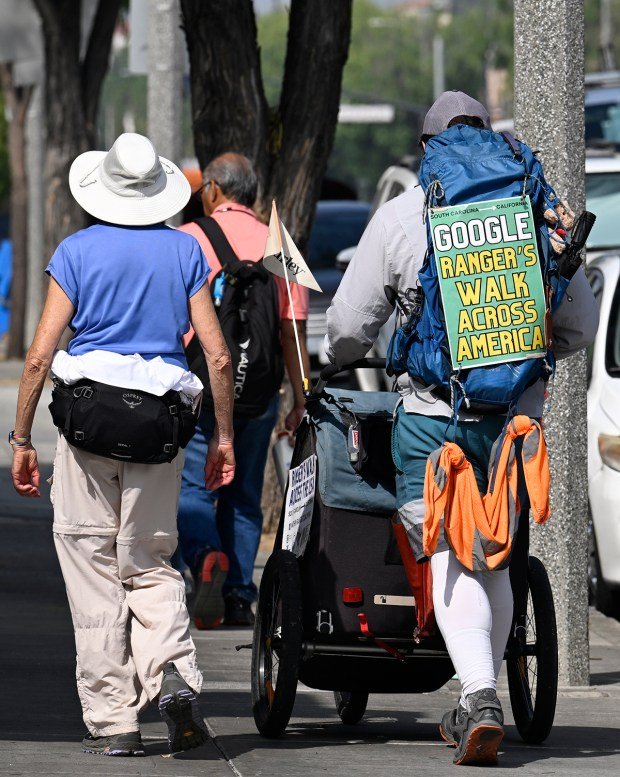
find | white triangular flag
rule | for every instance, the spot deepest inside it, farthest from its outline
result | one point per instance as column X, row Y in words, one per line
column 280, row 246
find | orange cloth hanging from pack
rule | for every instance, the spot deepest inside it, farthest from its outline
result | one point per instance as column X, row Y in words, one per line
column 480, row 529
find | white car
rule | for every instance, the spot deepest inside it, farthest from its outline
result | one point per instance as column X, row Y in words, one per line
column 604, row 437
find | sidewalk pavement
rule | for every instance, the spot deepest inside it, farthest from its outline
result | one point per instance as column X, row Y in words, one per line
column 41, row 726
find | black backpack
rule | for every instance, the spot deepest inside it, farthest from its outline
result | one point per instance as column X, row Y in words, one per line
column 248, row 310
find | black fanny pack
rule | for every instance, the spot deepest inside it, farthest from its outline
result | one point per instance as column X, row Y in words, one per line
column 123, row 424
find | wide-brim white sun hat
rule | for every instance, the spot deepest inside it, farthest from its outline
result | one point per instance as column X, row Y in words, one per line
column 129, row 184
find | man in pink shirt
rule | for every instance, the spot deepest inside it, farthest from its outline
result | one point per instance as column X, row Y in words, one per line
column 219, row 531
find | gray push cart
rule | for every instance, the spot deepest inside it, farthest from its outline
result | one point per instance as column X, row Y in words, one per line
column 338, row 609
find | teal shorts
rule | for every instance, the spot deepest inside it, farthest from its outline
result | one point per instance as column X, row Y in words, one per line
column 414, row 438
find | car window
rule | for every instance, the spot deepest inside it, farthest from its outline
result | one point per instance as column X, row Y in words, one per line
column 603, row 122
column 395, row 189
column 612, row 346
column 602, row 184
column 597, row 282
column 605, row 233
column 334, row 230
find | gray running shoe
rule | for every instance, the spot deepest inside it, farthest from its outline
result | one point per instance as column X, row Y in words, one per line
column 180, row 710
column 116, row 744
column 482, row 731
column 452, row 724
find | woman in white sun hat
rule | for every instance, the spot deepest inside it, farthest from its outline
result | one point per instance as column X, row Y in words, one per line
column 128, row 287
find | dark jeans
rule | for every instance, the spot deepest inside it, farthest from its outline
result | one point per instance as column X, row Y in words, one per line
column 228, row 519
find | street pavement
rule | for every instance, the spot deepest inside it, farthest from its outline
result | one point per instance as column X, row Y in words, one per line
column 41, row 726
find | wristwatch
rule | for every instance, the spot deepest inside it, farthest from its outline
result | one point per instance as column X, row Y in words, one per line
column 18, row 442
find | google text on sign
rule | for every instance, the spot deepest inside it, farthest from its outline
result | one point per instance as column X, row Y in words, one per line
column 491, row 282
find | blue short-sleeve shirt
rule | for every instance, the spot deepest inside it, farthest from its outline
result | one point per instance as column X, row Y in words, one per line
column 130, row 288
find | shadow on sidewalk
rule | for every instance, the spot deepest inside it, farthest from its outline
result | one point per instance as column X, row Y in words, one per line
column 37, row 662
column 37, row 650
column 604, row 678
column 565, row 742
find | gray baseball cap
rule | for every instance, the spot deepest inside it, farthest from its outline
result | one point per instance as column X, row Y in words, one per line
column 449, row 105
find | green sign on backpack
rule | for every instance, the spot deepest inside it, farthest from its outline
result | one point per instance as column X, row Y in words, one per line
column 491, row 281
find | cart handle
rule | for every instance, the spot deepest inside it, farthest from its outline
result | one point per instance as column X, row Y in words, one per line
column 331, row 370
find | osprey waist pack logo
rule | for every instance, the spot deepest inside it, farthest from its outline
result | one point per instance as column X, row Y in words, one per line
column 477, row 329
column 133, row 400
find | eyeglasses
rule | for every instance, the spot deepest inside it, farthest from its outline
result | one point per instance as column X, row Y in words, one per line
column 205, row 186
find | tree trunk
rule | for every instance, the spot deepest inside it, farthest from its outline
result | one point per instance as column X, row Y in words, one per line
column 66, row 133
column 317, row 49
column 17, row 101
column 72, row 94
column 290, row 147
column 229, row 110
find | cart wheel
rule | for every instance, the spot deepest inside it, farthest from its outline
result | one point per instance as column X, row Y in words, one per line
column 276, row 646
column 351, row 706
column 533, row 676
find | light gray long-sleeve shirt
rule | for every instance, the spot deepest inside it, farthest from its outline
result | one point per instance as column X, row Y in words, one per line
column 390, row 254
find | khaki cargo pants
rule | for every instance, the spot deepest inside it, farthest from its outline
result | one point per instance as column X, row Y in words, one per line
column 115, row 530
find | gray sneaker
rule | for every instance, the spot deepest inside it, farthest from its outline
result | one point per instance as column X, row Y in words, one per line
column 180, row 710
column 452, row 724
column 116, row 744
column 482, row 730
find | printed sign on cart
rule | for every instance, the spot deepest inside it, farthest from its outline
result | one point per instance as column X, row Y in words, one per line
column 491, row 281
column 299, row 506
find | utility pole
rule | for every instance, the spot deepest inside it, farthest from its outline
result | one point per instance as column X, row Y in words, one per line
column 165, row 78
column 439, row 82
column 439, row 71
column 549, row 49
column 37, row 260
column 606, row 37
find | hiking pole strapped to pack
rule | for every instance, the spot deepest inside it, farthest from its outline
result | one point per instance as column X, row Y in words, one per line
column 570, row 262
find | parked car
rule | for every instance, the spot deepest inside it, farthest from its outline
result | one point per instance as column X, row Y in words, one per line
column 604, row 437
column 601, row 110
column 337, row 224
column 603, row 198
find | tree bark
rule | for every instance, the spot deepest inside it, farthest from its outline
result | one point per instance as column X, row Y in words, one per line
column 229, row 109
column 95, row 65
column 290, row 145
column 317, row 50
column 72, row 92
column 17, row 101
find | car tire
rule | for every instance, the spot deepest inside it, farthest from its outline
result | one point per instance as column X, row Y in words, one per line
column 600, row 595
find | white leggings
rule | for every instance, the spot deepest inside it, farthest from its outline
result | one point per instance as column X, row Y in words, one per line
column 474, row 614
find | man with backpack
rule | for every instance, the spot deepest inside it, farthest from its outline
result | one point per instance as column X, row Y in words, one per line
column 219, row 531
column 448, row 419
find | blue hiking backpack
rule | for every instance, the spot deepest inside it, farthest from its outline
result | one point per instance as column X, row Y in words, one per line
column 464, row 164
